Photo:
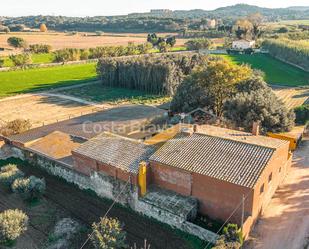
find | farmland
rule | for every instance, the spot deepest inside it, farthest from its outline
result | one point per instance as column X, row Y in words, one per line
column 98, row 93
column 24, row 81
column 63, row 200
column 79, row 40
column 276, row 72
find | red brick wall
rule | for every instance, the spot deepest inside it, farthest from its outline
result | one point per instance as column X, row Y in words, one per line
column 84, row 164
column 171, row 178
column 279, row 166
column 218, row 199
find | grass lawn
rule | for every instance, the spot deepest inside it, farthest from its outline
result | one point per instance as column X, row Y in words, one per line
column 276, row 72
column 23, row 81
column 99, row 93
column 36, row 59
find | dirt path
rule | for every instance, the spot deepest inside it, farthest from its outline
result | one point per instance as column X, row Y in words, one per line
column 285, row 223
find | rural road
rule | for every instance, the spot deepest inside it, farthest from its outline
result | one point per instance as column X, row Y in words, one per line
column 285, row 223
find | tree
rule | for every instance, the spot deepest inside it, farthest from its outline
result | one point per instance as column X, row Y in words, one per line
column 13, row 223
column 40, row 48
column 231, row 238
column 255, row 101
column 219, row 79
column 43, row 27
column 9, row 173
column 243, row 28
column 17, row 42
column 164, row 47
column 256, row 19
column 153, row 39
column 21, row 60
column 171, row 41
column 199, row 43
column 31, row 188
column 108, row 234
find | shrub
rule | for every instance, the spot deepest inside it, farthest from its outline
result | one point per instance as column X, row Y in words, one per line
column 9, row 174
column 1, row 62
column 302, row 114
column 231, row 238
column 108, row 234
column 12, row 224
column 67, row 54
column 30, row 188
column 15, row 127
column 40, row 48
column 197, row 44
column 21, row 60
column 255, row 101
column 17, row 42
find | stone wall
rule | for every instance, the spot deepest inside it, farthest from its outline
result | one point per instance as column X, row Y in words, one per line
column 108, row 187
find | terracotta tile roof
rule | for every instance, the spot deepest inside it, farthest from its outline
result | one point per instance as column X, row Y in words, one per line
column 240, row 136
column 117, row 151
column 228, row 160
column 56, row 145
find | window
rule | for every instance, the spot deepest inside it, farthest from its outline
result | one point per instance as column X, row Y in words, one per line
column 262, row 189
column 280, row 170
column 270, row 177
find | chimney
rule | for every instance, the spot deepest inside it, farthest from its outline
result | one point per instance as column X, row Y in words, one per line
column 256, row 128
column 194, row 128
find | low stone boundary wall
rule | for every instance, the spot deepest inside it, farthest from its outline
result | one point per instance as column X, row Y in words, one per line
column 108, row 187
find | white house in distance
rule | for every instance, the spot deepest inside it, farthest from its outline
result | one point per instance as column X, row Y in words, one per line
column 243, row 44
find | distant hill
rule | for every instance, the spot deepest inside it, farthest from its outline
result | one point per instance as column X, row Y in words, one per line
column 241, row 10
column 156, row 20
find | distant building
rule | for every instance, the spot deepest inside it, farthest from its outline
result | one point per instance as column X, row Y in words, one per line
column 211, row 23
column 243, row 44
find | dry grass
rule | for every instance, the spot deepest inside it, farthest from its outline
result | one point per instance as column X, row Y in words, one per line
column 80, row 40
column 39, row 109
column 292, row 97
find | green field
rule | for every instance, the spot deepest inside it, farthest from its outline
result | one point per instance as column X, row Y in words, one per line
column 24, row 81
column 36, row 59
column 276, row 72
column 99, row 93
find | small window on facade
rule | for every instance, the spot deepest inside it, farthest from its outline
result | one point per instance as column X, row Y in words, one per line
column 262, row 189
column 279, row 169
column 270, row 177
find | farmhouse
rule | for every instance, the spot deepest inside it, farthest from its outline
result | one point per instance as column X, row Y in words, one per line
column 243, row 44
column 173, row 175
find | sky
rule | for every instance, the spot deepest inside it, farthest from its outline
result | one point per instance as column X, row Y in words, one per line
column 118, row 7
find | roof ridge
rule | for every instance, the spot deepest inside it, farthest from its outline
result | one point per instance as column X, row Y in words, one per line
column 235, row 140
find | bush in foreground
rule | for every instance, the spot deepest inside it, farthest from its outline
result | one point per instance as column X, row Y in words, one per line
column 12, row 224
column 108, row 234
column 9, row 173
column 231, row 238
column 29, row 188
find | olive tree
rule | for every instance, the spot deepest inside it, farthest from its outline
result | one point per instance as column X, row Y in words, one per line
column 13, row 223
column 29, row 188
column 108, row 234
column 17, row 42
